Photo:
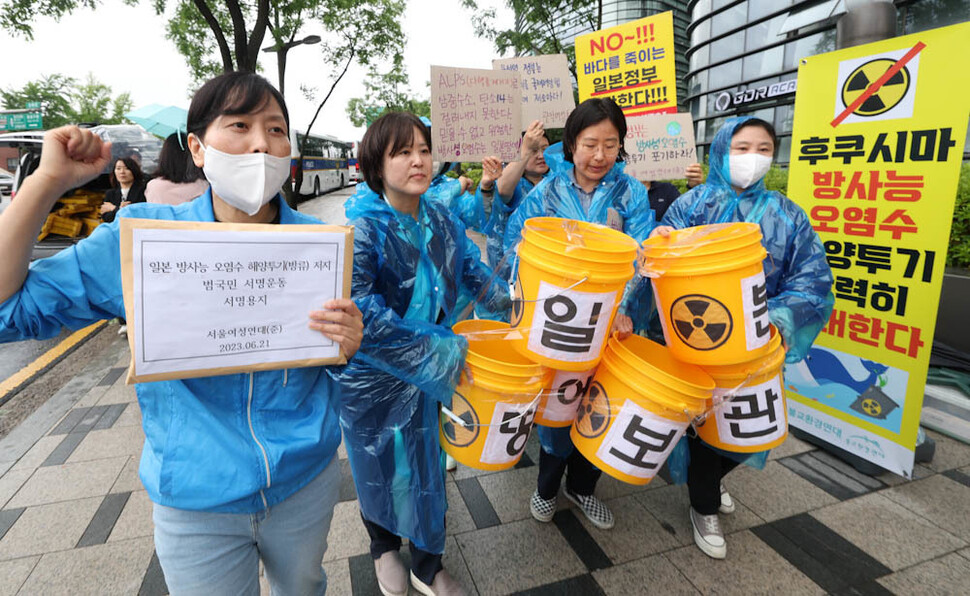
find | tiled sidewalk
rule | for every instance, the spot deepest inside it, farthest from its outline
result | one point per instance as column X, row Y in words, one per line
column 75, row 519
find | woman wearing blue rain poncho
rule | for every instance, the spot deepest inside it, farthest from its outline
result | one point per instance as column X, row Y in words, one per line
column 512, row 184
column 799, row 298
column 411, row 259
column 586, row 183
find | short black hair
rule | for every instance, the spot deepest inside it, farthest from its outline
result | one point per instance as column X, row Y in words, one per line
column 761, row 124
column 132, row 165
column 231, row 93
column 175, row 163
column 394, row 130
column 590, row 113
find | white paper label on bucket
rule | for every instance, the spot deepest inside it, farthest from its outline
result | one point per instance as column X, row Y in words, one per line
column 639, row 441
column 508, row 432
column 569, row 325
column 567, row 391
column 756, row 323
column 755, row 416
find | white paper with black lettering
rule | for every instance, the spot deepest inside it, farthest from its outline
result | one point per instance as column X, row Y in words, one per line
column 755, row 416
column 570, row 325
column 508, row 432
column 563, row 399
column 756, row 322
column 639, row 441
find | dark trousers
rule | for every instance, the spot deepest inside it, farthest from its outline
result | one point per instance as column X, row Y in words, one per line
column 425, row 565
column 704, row 474
column 581, row 476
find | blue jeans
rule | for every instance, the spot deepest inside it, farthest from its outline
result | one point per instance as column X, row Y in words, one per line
column 211, row 554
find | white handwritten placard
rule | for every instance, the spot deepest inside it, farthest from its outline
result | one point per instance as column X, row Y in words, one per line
column 474, row 114
column 660, row 146
column 203, row 299
column 546, row 87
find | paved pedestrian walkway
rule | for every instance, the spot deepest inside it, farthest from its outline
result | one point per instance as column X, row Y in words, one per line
column 75, row 519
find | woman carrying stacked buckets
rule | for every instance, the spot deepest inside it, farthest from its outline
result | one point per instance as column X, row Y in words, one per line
column 734, row 342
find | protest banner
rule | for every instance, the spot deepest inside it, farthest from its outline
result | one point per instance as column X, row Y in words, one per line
column 474, row 114
column 633, row 63
column 546, row 87
column 660, row 146
column 876, row 151
column 205, row 299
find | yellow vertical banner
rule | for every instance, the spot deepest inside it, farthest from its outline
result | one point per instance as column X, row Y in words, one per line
column 876, row 151
column 632, row 63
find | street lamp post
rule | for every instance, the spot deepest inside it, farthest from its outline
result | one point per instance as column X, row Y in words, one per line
column 282, row 48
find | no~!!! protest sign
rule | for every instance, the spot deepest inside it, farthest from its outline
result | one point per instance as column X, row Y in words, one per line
column 633, row 63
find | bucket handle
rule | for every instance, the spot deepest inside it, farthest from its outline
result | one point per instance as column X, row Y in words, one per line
column 464, row 424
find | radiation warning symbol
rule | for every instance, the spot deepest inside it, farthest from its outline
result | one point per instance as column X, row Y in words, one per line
column 886, row 97
column 594, row 412
column 872, row 407
column 517, row 305
column 701, row 322
column 456, row 434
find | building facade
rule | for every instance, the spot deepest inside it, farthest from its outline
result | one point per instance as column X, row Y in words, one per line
column 743, row 56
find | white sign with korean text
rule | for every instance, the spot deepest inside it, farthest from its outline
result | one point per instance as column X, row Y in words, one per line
column 568, row 324
column 508, row 432
column 755, row 414
column 231, row 300
column 474, row 114
column 660, row 146
column 546, row 87
column 639, row 441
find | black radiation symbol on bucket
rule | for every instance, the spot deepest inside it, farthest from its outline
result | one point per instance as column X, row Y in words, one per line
column 886, row 97
column 456, row 434
column 872, row 407
column 701, row 322
column 517, row 305
column 594, row 412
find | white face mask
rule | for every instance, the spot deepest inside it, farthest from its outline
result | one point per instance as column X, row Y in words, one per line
column 247, row 181
column 748, row 168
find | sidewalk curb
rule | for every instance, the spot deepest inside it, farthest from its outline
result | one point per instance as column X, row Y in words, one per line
column 14, row 383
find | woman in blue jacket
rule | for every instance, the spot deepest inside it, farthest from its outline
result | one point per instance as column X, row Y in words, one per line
column 798, row 278
column 239, row 467
column 412, row 260
column 586, row 183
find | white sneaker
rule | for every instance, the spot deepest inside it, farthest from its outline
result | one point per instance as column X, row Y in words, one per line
column 708, row 535
column 727, row 503
column 123, row 330
column 450, row 463
column 542, row 509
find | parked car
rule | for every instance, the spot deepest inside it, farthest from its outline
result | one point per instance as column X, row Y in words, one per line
column 6, row 183
column 126, row 139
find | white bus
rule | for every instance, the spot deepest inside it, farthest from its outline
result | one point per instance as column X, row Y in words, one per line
column 324, row 163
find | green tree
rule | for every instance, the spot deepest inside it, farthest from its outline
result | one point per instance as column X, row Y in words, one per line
column 387, row 92
column 540, row 26
column 63, row 100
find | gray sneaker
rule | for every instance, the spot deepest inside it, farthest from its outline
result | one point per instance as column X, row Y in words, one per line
column 708, row 535
column 727, row 503
column 392, row 577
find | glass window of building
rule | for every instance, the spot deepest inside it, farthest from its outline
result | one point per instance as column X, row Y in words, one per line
column 806, row 46
column 762, row 8
column 725, row 74
column 701, row 7
column 784, row 117
column 732, row 45
column 699, row 59
column 783, row 151
column 732, row 18
column 762, row 64
column 701, row 33
column 763, row 34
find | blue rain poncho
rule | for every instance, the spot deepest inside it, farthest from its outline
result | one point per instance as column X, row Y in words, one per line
column 498, row 218
column 558, row 196
column 797, row 274
column 407, row 275
column 466, row 206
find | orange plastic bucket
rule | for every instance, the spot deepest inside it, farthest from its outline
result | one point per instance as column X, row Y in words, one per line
column 709, row 285
column 571, row 277
column 494, row 405
column 559, row 406
column 638, row 406
column 756, row 417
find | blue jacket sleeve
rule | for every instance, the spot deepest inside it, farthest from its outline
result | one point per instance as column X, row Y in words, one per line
column 74, row 288
column 640, row 218
column 803, row 300
column 531, row 206
column 423, row 354
column 680, row 211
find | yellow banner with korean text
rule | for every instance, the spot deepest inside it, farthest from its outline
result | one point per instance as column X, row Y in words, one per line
column 632, row 63
column 877, row 145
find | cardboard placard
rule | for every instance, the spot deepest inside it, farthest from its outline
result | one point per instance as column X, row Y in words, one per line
column 474, row 114
column 546, row 87
column 206, row 298
column 660, row 146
